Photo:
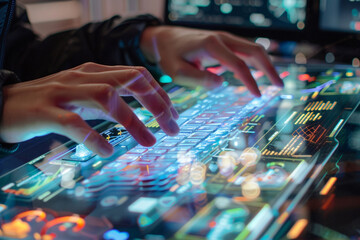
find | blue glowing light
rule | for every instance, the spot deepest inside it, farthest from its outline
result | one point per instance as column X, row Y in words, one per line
column 288, row 97
column 116, row 235
column 81, row 152
column 318, row 88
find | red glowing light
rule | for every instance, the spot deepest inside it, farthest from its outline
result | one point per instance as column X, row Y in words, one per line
column 62, row 228
column 216, row 70
column 212, row 224
column 284, row 74
column 304, row 77
column 258, row 75
column 357, row 26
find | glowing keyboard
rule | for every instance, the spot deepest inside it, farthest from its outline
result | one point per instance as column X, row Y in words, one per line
column 204, row 130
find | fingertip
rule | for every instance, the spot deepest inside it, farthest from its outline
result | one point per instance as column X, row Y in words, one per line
column 173, row 128
column 105, row 149
column 280, row 83
column 148, row 139
column 257, row 94
column 213, row 81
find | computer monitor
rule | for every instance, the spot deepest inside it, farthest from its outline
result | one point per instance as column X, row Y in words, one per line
column 314, row 21
column 340, row 16
column 258, row 17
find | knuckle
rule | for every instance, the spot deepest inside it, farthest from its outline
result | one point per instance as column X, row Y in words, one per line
column 144, row 72
column 74, row 74
column 104, row 92
column 38, row 109
column 221, row 33
column 259, row 48
column 55, row 88
column 133, row 73
column 69, row 119
column 88, row 65
column 211, row 40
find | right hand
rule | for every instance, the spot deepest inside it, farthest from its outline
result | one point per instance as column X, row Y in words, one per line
column 60, row 102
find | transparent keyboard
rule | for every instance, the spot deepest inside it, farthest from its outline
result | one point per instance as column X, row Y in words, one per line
column 204, row 131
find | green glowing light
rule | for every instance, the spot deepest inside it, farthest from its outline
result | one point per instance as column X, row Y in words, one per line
column 165, row 79
column 226, row 8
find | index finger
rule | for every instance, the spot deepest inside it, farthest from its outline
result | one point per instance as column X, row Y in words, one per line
column 218, row 50
column 256, row 55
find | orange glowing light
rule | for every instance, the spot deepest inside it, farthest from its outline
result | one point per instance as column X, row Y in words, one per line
column 328, row 202
column 15, row 229
column 2, row 207
column 31, row 215
column 174, row 188
column 297, row 229
column 283, row 218
column 330, row 183
column 241, row 199
column 80, row 223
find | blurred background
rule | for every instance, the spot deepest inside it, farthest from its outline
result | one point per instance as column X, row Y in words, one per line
column 49, row 16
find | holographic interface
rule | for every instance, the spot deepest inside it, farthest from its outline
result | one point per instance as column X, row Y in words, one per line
column 237, row 169
column 274, row 14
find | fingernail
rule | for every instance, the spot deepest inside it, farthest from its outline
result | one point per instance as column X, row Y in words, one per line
column 106, row 149
column 257, row 94
column 174, row 113
column 174, row 128
column 214, row 81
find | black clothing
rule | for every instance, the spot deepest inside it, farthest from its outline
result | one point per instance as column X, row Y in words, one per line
column 24, row 54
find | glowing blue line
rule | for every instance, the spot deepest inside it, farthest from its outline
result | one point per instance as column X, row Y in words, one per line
column 318, row 88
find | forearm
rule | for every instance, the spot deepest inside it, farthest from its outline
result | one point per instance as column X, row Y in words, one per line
column 112, row 42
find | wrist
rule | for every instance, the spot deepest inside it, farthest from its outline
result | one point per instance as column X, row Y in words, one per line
column 148, row 44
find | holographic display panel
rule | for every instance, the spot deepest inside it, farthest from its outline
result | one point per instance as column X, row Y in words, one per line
column 272, row 14
column 340, row 15
column 237, row 169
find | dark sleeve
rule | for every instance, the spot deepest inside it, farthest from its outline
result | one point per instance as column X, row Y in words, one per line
column 6, row 78
column 112, row 42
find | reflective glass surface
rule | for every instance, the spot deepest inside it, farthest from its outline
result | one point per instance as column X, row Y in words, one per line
column 239, row 168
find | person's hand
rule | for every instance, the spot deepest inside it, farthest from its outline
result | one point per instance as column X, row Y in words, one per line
column 60, row 102
column 180, row 51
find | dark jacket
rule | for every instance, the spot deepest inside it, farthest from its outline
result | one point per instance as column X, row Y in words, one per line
column 24, row 56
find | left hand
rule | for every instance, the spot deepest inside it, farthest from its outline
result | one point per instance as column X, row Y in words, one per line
column 180, row 51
